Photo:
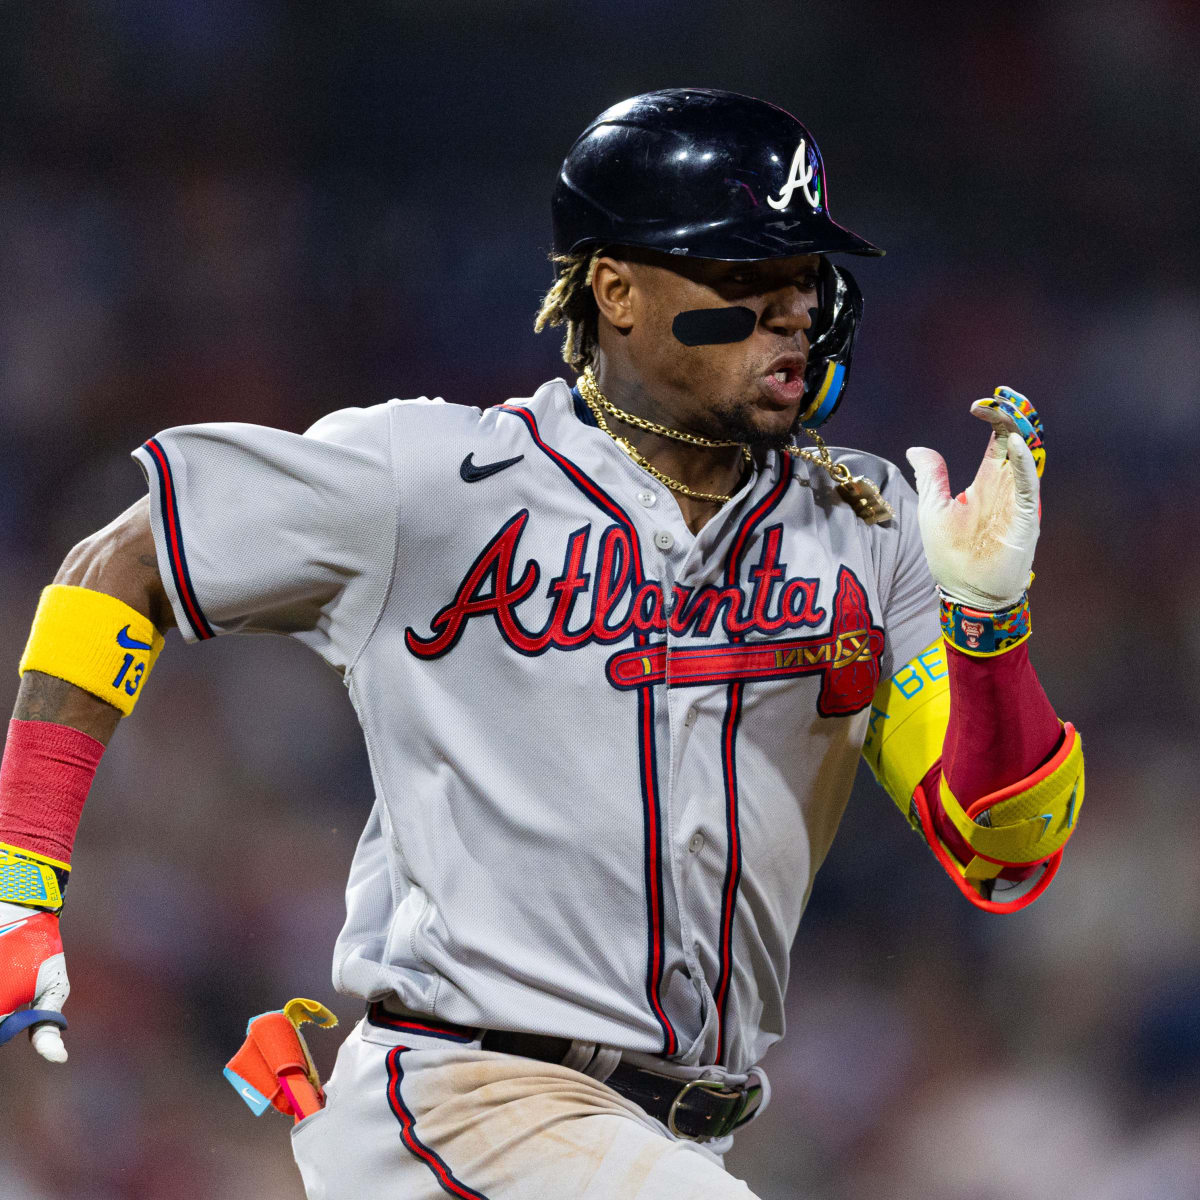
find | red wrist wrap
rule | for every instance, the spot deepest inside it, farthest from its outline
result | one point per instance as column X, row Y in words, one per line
column 44, row 780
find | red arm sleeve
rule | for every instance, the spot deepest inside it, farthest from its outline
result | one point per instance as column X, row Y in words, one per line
column 1001, row 729
column 44, row 780
column 1002, row 726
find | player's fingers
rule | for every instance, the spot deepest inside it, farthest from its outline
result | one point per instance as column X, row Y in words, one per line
column 53, row 988
column 1022, row 405
column 932, row 477
column 1026, row 485
column 47, row 1041
column 1013, row 412
column 1002, row 423
column 996, row 412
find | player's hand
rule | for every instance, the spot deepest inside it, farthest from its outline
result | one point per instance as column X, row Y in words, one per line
column 33, row 971
column 980, row 543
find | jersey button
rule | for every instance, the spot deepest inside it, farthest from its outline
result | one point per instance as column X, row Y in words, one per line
column 696, row 843
column 664, row 539
column 647, row 499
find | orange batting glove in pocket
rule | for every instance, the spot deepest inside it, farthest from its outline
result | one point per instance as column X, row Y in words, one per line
column 274, row 1067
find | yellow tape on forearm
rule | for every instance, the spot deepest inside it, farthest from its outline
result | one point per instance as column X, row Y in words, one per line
column 1028, row 821
column 908, row 725
column 31, row 879
column 94, row 641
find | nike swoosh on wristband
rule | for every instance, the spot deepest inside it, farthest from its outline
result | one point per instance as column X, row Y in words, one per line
column 128, row 643
column 470, row 473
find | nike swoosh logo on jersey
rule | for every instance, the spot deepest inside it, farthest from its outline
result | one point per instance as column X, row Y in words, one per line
column 473, row 474
column 128, row 643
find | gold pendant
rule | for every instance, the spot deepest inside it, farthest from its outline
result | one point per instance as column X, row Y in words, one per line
column 865, row 499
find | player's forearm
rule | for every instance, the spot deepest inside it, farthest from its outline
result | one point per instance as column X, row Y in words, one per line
column 1000, row 730
column 1002, row 727
column 44, row 698
column 94, row 640
column 95, row 636
column 118, row 561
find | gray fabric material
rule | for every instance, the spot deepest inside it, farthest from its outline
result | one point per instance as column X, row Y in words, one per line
column 501, row 880
column 283, row 533
column 501, row 1127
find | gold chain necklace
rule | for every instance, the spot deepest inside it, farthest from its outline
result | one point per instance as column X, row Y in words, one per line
column 859, row 492
column 598, row 402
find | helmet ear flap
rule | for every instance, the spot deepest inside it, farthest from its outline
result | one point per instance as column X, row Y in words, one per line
column 831, row 347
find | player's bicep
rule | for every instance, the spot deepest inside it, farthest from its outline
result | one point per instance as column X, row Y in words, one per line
column 120, row 560
column 909, row 716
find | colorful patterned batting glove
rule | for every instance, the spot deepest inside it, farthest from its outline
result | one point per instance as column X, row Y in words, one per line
column 980, row 543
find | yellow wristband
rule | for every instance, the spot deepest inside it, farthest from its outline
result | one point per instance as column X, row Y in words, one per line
column 94, row 641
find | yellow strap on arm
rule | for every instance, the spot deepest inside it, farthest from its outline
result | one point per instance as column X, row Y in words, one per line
column 94, row 641
column 31, row 879
column 909, row 716
column 1026, row 822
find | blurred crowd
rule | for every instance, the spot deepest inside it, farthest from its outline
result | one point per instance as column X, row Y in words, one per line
column 264, row 210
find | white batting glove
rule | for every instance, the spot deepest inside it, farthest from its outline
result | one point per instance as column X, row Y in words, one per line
column 33, row 971
column 980, row 544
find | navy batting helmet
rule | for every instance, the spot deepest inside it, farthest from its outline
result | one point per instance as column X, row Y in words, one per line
column 711, row 174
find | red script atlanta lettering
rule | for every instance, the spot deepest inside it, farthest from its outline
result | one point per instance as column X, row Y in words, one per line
column 616, row 604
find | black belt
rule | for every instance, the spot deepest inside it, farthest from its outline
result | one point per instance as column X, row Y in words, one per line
column 696, row 1109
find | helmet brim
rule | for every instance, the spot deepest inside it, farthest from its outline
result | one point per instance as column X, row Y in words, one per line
column 741, row 241
column 774, row 239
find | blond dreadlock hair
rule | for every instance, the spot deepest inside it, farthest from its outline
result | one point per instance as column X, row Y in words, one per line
column 570, row 302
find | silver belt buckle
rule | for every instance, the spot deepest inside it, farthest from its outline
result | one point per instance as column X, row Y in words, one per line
column 709, row 1085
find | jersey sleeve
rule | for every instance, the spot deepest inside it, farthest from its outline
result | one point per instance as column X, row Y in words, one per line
column 910, row 613
column 261, row 530
column 910, row 711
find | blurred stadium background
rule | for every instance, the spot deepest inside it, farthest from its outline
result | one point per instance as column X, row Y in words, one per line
column 262, row 210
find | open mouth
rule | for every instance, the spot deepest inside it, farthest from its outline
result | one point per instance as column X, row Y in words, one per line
column 787, row 367
column 783, row 381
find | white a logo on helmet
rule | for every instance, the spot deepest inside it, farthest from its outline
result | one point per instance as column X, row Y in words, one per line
column 800, row 175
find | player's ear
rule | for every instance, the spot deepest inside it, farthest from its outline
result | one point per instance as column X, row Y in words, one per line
column 612, row 286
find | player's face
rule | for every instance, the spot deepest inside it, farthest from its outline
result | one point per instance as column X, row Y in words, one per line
column 735, row 390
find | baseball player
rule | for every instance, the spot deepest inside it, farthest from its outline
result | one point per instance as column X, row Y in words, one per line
column 616, row 649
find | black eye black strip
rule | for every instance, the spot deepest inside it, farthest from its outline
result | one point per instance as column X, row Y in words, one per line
column 714, row 326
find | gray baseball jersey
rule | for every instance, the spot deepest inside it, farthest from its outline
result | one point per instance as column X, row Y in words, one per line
column 609, row 754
